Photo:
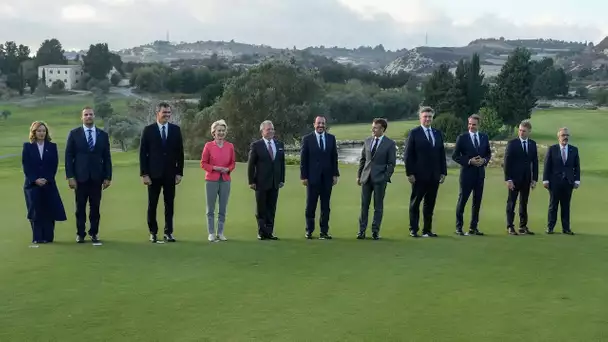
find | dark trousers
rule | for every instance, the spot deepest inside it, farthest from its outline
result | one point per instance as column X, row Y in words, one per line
column 89, row 191
column 321, row 190
column 423, row 190
column 266, row 207
column 377, row 191
column 167, row 185
column 560, row 193
column 521, row 189
column 466, row 187
column 43, row 230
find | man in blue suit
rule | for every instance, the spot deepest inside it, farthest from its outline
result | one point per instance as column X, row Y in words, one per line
column 319, row 173
column 88, row 168
column 561, row 175
column 473, row 153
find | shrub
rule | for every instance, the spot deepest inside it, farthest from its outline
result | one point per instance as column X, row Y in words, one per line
column 491, row 123
column 450, row 126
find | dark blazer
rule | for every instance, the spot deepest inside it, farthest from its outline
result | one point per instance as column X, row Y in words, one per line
column 517, row 164
column 315, row 163
column 465, row 150
column 83, row 164
column 156, row 160
column 381, row 166
column 39, row 199
column 555, row 170
column 421, row 158
column 262, row 171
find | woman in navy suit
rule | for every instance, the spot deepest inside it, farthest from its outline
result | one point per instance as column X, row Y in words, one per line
column 40, row 161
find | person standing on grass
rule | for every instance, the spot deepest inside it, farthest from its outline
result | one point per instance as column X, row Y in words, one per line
column 88, row 168
column 426, row 168
column 266, row 175
column 40, row 161
column 473, row 153
column 319, row 173
column 218, row 160
column 376, row 167
column 561, row 175
column 161, row 163
column 521, row 174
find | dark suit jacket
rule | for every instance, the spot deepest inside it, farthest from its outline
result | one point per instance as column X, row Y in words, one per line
column 518, row 165
column 41, row 200
column 262, row 171
column 158, row 161
column 555, row 170
column 83, row 164
column 465, row 150
column 316, row 165
column 381, row 166
column 421, row 158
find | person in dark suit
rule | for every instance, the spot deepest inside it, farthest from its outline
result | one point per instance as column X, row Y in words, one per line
column 88, row 168
column 561, row 175
column 520, row 167
column 40, row 161
column 426, row 168
column 473, row 153
column 161, row 163
column 376, row 167
column 266, row 175
column 319, row 173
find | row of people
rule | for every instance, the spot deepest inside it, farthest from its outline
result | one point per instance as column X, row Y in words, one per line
column 88, row 168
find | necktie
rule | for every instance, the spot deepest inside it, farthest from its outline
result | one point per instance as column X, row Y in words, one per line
column 90, row 140
column 476, row 142
column 375, row 146
column 270, row 150
column 564, row 155
column 525, row 146
column 163, row 135
column 321, row 144
column 428, row 136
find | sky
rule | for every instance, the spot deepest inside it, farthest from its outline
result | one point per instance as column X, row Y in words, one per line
column 395, row 24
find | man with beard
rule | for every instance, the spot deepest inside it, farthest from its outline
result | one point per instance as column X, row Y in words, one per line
column 319, row 173
column 161, row 162
column 562, row 174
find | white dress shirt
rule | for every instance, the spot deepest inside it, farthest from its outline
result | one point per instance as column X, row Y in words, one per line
column 160, row 129
column 319, row 137
column 430, row 132
column 93, row 133
column 40, row 149
column 473, row 136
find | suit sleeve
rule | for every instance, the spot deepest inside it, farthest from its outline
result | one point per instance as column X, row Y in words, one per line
column 144, row 166
column 507, row 161
column 206, row 159
column 283, row 165
column 334, row 156
column 577, row 167
column 51, row 170
column 70, row 155
column 107, row 159
column 535, row 164
column 180, row 154
column 361, row 162
column 458, row 156
column 232, row 164
column 251, row 163
column 304, row 159
column 547, row 166
column 391, row 160
column 444, row 163
column 30, row 176
column 409, row 153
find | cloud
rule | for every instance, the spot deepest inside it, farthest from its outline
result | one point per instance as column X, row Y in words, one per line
column 280, row 23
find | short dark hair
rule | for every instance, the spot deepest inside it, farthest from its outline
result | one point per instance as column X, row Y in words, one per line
column 161, row 105
column 382, row 122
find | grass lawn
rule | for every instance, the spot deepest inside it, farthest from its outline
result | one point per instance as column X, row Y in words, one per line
column 491, row 288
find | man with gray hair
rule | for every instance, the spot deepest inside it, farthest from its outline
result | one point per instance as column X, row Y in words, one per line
column 562, row 174
column 266, row 174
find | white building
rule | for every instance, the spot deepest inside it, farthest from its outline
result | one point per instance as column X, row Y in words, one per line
column 70, row 75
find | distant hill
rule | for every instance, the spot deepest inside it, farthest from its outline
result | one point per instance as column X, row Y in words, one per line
column 420, row 60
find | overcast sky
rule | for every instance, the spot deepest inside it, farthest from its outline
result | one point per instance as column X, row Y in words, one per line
column 285, row 23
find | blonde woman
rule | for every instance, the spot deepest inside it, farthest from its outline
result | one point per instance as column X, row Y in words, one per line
column 218, row 160
column 40, row 160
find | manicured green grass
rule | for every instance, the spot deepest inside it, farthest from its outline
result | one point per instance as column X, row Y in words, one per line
column 491, row 288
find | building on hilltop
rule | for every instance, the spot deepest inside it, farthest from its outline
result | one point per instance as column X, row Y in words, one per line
column 70, row 74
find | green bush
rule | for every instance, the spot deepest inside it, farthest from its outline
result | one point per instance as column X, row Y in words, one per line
column 450, row 126
column 292, row 160
column 491, row 123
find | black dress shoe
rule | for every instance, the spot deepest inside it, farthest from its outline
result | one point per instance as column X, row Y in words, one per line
column 474, row 232
column 272, row 237
column 261, row 237
column 414, row 235
column 169, row 238
column 568, row 232
column 79, row 239
column 525, row 231
column 429, row 234
column 549, row 231
column 511, row 231
column 375, row 236
column 360, row 236
column 308, row 236
column 459, row 232
column 95, row 239
column 153, row 238
column 325, row 236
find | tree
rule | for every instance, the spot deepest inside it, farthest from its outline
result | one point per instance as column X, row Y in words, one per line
column 98, row 61
column 437, row 87
column 476, row 89
column 450, row 125
column 512, row 97
column 103, row 108
column 125, row 130
column 50, row 52
column 491, row 123
column 458, row 94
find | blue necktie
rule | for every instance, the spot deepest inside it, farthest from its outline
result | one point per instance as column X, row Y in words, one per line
column 90, row 140
column 322, row 145
column 163, row 135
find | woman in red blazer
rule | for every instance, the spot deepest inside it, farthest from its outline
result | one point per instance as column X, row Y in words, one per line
column 218, row 160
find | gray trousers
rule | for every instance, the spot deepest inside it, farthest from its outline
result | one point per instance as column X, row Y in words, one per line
column 377, row 191
column 217, row 189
